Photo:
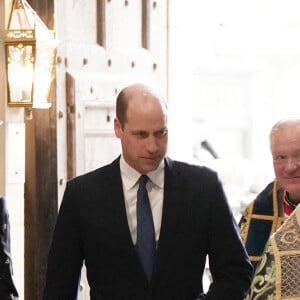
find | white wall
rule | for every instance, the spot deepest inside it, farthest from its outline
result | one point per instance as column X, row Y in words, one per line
column 235, row 70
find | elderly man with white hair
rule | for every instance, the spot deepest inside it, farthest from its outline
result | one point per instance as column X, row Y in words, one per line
column 278, row 200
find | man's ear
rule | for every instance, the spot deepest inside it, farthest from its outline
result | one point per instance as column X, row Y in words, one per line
column 117, row 127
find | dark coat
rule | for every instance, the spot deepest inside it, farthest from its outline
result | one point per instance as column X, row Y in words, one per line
column 197, row 221
column 7, row 287
column 261, row 218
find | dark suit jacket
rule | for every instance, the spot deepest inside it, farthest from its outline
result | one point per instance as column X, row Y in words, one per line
column 7, row 287
column 196, row 221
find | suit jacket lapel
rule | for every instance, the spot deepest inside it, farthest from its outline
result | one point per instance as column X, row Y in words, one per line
column 116, row 198
column 173, row 208
column 114, row 185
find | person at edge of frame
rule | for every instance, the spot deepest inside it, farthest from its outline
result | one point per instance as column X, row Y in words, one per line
column 265, row 214
column 8, row 289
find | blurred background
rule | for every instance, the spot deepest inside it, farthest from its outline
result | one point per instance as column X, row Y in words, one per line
column 234, row 71
column 229, row 70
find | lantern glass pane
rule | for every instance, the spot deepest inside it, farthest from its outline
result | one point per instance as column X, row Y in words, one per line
column 21, row 20
column 20, row 63
column 43, row 72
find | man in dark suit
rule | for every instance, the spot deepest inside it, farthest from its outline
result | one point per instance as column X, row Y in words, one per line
column 7, row 287
column 99, row 224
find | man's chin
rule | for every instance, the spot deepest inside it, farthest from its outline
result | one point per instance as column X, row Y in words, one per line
column 293, row 188
column 150, row 167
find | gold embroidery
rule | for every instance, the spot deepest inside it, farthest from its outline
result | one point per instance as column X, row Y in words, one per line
column 278, row 274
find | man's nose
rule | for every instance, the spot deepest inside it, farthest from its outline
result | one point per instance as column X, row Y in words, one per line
column 291, row 164
column 152, row 144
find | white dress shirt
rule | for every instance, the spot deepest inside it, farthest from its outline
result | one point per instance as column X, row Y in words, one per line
column 155, row 188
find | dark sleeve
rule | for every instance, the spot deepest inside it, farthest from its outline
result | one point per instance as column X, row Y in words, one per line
column 254, row 230
column 65, row 257
column 228, row 260
column 7, row 287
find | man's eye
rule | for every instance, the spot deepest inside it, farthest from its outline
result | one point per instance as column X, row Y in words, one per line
column 279, row 157
column 161, row 133
column 141, row 134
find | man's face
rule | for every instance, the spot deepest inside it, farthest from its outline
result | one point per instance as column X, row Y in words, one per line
column 144, row 137
column 285, row 147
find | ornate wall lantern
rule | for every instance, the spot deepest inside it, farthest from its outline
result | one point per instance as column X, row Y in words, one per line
column 30, row 52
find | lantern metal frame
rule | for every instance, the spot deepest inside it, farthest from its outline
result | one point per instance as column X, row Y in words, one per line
column 30, row 49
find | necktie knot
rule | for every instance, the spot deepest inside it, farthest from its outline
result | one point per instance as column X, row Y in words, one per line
column 143, row 180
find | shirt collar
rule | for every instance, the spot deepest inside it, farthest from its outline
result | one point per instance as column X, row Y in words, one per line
column 130, row 176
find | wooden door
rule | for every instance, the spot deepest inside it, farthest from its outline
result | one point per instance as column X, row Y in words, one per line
column 110, row 44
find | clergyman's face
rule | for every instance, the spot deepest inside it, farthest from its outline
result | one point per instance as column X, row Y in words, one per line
column 144, row 137
column 285, row 148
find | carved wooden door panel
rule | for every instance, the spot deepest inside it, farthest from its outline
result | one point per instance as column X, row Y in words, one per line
column 123, row 42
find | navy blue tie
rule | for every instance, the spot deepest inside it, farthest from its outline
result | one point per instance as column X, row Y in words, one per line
column 145, row 243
